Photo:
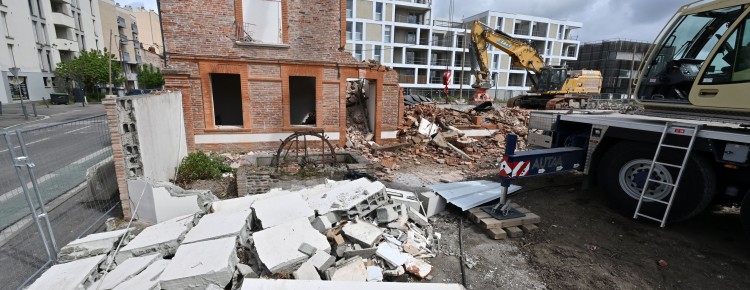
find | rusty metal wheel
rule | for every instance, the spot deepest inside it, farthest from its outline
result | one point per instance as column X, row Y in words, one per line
column 296, row 149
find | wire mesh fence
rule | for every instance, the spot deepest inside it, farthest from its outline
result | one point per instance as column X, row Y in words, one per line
column 67, row 167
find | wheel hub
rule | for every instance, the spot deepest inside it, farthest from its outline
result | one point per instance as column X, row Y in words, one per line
column 632, row 178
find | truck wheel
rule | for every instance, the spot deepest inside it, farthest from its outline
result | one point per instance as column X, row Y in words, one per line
column 745, row 213
column 624, row 170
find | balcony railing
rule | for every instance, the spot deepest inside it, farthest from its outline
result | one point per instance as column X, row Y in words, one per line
column 123, row 39
column 134, row 27
column 120, row 22
column 406, row 79
column 126, row 57
column 539, row 33
column 443, row 23
column 411, row 19
column 436, row 80
column 442, row 42
column 416, row 1
column 138, row 59
column 405, row 40
column 521, row 31
column 440, row 61
column 416, row 60
column 422, row 80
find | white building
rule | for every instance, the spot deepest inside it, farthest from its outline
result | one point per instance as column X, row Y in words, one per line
column 403, row 34
column 37, row 34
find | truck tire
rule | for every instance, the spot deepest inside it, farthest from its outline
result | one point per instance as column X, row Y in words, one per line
column 745, row 213
column 624, row 168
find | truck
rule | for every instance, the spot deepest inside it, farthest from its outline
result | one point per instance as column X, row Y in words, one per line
column 553, row 87
column 688, row 148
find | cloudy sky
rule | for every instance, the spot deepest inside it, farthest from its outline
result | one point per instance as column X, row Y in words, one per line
column 602, row 19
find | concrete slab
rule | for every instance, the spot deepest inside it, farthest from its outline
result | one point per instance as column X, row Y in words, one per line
column 148, row 279
column 306, row 272
column 322, row 223
column 363, row 233
column 353, row 269
column 163, row 238
column 197, row 265
column 390, row 254
column 307, row 249
column 163, row 201
column 73, row 275
column 220, row 225
column 91, row 245
column 280, row 209
column 344, row 196
column 267, row 284
column 277, row 247
column 236, row 204
column 374, row 274
column 322, row 261
column 128, row 269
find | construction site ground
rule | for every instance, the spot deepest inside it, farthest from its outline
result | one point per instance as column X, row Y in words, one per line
column 581, row 243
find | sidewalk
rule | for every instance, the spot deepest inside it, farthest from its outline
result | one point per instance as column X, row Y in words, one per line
column 12, row 114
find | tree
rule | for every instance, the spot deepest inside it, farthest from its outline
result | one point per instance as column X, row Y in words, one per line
column 89, row 69
column 150, row 77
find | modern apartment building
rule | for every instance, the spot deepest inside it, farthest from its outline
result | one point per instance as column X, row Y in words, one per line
column 121, row 37
column 403, row 34
column 36, row 35
column 149, row 29
column 618, row 60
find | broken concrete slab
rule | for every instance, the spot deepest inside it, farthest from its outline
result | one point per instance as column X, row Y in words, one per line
column 417, row 217
column 236, row 204
column 363, row 233
column 147, row 279
column 91, row 245
column 322, row 223
column 343, row 197
column 406, row 202
column 162, row 201
column 163, row 238
column 418, row 268
column 254, row 284
column 198, row 265
column 363, row 253
column 393, row 256
column 220, row 225
column 247, row 271
column 127, row 270
column 280, row 209
column 307, row 249
column 388, row 213
column 277, row 247
column 374, row 274
column 73, row 275
column 306, row 271
column 350, row 270
column 322, row 261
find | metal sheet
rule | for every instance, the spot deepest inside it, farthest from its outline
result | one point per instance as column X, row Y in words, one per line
column 470, row 194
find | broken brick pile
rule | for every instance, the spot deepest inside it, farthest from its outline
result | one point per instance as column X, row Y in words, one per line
column 356, row 230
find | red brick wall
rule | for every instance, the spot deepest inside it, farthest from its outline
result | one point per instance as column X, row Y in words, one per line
column 113, row 123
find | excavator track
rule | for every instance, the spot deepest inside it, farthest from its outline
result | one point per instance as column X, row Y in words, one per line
column 546, row 102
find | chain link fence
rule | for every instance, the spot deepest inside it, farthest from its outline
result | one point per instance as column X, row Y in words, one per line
column 57, row 183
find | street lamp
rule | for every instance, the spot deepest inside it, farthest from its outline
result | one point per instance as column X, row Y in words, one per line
column 15, row 70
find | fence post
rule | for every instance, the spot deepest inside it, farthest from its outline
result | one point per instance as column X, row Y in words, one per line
column 33, row 108
column 19, row 172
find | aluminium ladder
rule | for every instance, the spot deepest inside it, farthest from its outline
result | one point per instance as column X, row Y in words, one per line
column 669, row 129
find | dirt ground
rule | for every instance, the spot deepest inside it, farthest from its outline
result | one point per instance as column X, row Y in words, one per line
column 583, row 244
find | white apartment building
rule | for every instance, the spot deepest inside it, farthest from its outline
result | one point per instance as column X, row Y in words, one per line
column 36, row 35
column 404, row 35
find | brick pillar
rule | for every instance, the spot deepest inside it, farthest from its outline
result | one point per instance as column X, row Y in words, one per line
column 113, row 123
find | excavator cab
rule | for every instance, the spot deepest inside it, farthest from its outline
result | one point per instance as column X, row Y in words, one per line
column 551, row 78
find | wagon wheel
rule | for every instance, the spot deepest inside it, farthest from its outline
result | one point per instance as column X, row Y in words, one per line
column 295, row 149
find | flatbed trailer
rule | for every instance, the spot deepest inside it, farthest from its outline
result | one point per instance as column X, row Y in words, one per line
column 700, row 161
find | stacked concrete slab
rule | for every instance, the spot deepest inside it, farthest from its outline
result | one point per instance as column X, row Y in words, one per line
column 340, row 231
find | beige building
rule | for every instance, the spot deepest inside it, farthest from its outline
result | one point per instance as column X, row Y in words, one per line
column 149, row 30
column 121, row 37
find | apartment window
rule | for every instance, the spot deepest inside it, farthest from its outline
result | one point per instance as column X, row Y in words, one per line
column 302, row 100
column 349, row 7
column 262, row 21
column 460, row 41
column 5, row 25
column 358, row 30
column 499, row 25
column 44, row 32
column 31, row 8
column 411, row 37
column 387, row 35
column 358, row 51
column 41, row 63
column 97, row 44
column 349, row 31
column 49, row 60
column 39, row 8
column 377, row 53
column 36, row 34
column 83, row 42
column 378, row 11
column 495, row 61
column 12, row 56
column 227, row 99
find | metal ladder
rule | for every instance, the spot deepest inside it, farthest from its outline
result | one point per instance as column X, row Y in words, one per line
column 669, row 129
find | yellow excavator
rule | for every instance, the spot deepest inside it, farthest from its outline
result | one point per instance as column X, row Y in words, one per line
column 554, row 87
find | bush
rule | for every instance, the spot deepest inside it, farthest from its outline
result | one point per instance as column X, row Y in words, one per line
column 199, row 165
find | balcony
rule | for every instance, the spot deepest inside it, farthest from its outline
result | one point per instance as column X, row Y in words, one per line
column 120, row 22
column 123, row 40
column 63, row 19
column 137, row 44
column 436, row 80
column 134, row 27
column 442, row 41
column 405, row 79
column 539, row 30
column 411, row 19
column 406, row 40
column 132, row 76
column 416, row 60
column 440, row 61
column 63, row 44
column 443, row 23
column 138, row 59
column 126, row 57
column 420, row 4
column 422, row 80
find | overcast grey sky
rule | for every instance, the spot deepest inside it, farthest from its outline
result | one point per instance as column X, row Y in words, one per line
column 602, row 19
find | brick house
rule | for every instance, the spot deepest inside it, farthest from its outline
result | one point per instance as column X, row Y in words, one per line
column 253, row 71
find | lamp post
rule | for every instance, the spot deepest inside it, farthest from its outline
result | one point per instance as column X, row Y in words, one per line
column 15, row 70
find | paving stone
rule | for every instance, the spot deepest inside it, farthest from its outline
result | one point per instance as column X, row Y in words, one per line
column 390, row 254
column 322, row 261
column 306, row 271
column 277, row 247
column 374, row 274
column 91, row 245
column 220, row 225
column 363, row 233
column 126, row 270
column 197, row 265
column 70, row 275
column 280, row 209
column 163, row 238
column 351, row 270
column 148, row 279
column 322, row 223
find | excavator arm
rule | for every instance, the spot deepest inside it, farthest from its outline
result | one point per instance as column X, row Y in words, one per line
column 521, row 54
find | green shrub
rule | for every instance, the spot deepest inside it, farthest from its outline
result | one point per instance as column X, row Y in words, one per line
column 199, row 165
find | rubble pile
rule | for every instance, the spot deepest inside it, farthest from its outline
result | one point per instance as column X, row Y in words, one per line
column 358, row 231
